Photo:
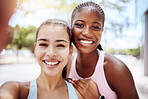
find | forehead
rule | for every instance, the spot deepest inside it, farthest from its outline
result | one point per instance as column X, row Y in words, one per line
column 54, row 32
column 87, row 14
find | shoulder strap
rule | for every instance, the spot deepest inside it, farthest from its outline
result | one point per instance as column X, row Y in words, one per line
column 71, row 91
column 72, row 72
column 33, row 90
column 101, row 59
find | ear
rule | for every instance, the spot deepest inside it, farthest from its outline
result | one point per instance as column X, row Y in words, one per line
column 71, row 50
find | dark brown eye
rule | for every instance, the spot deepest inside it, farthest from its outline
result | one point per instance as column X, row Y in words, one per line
column 79, row 25
column 60, row 45
column 96, row 27
column 42, row 44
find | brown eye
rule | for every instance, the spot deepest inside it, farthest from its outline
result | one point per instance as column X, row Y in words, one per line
column 96, row 28
column 79, row 25
column 42, row 44
column 60, row 45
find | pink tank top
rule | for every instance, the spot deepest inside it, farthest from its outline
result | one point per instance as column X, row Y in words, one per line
column 98, row 77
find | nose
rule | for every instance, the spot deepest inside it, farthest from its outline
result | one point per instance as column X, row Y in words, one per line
column 50, row 52
column 86, row 31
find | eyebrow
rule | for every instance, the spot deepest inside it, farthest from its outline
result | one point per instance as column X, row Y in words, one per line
column 96, row 23
column 61, row 41
column 55, row 41
column 42, row 39
column 80, row 20
column 92, row 22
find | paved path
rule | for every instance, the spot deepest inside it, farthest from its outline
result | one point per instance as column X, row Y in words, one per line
column 18, row 72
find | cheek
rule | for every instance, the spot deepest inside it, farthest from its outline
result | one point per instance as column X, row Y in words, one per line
column 65, row 54
column 98, row 36
column 76, row 31
column 39, row 53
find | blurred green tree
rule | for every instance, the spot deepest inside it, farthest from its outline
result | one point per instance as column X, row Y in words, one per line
column 24, row 37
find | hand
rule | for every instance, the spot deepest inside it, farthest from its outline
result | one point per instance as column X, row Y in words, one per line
column 86, row 87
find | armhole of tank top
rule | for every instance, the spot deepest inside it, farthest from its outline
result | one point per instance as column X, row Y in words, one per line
column 31, row 89
column 104, row 77
column 99, row 62
column 71, row 91
column 73, row 67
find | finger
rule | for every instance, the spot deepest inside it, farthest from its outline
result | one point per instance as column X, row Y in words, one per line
column 81, row 86
column 71, row 80
column 85, row 83
column 92, row 83
column 87, row 88
column 82, row 81
column 77, row 84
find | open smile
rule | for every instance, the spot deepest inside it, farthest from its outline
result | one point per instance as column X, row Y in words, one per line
column 51, row 64
column 86, row 42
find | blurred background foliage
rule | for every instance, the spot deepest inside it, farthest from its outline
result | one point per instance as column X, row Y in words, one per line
column 134, row 52
column 24, row 37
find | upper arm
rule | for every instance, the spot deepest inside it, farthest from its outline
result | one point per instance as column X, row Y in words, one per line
column 124, row 84
column 9, row 90
column 122, row 80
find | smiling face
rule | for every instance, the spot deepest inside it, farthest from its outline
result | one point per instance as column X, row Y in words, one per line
column 87, row 27
column 53, row 49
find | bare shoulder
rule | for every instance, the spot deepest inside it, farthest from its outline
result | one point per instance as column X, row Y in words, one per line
column 115, row 68
column 9, row 90
column 119, row 77
column 113, row 63
column 12, row 90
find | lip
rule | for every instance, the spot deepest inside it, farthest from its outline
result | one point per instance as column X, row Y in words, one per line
column 52, row 63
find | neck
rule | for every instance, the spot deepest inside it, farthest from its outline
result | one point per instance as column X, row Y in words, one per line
column 85, row 59
column 50, row 82
column 86, row 63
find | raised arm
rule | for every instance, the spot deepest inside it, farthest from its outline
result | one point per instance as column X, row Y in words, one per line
column 9, row 90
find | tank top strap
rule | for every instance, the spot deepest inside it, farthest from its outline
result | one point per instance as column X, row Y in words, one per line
column 99, row 65
column 73, row 72
column 74, row 60
column 33, row 90
column 100, row 60
column 71, row 91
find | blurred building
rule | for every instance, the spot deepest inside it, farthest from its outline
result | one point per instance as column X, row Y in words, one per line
column 142, row 19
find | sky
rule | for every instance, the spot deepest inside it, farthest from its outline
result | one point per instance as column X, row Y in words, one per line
column 131, row 38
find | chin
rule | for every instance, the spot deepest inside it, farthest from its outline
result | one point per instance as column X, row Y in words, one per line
column 84, row 50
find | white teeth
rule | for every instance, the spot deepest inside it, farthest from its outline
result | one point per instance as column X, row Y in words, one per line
column 88, row 42
column 51, row 63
